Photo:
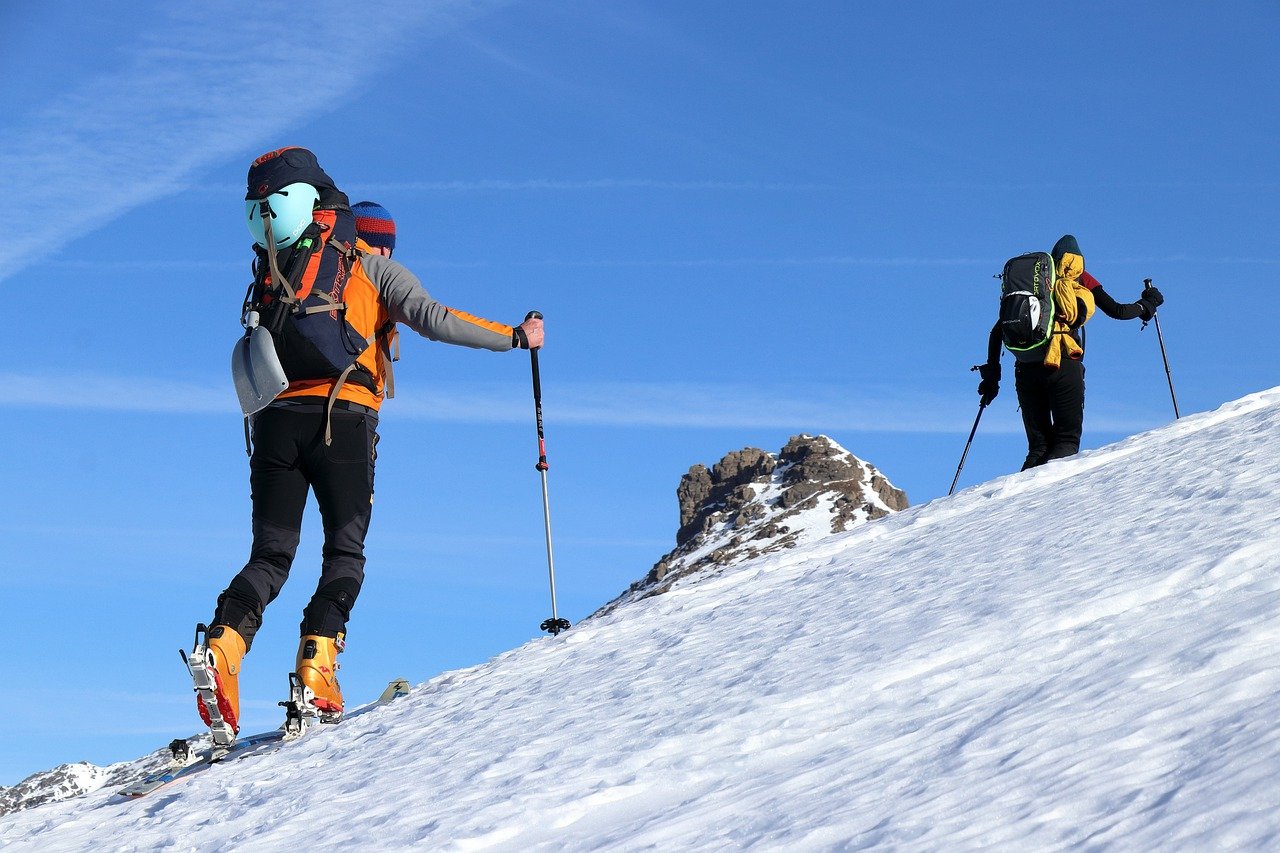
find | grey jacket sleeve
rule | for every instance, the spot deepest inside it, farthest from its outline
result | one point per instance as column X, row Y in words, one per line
column 408, row 302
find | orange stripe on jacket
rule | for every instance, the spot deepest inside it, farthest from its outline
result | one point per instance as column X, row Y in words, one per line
column 500, row 328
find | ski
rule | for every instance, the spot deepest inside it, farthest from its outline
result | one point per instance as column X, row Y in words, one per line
column 184, row 763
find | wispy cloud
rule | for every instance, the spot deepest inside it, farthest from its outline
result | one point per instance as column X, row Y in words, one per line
column 1193, row 259
column 658, row 405
column 144, row 264
column 511, row 185
column 543, row 184
column 149, row 265
column 118, row 394
column 815, row 261
column 187, row 97
column 595, row 184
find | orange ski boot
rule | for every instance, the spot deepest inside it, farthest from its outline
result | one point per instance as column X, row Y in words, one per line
column 221, row 657
column 318, row 670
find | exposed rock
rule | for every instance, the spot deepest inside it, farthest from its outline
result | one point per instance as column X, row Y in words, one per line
column 703, row 493
column 72, row 780
column 752, row 503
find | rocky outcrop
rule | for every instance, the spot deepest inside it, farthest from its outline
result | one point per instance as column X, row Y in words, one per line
column 703, row 494
column 752, row 503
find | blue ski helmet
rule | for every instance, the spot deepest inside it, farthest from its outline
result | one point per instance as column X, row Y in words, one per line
column 290, row 208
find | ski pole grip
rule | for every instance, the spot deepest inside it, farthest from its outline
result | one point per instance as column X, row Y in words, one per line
column 533, row 358
column 533, row 315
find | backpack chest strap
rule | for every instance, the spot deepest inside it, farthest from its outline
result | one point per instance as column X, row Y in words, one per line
column 330, row 304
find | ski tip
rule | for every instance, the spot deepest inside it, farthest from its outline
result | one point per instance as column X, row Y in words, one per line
column 396, row 688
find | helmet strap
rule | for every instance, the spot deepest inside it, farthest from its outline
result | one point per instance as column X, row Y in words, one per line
column 277, row 277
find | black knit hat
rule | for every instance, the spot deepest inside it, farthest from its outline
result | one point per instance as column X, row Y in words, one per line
column 285, row 166
column 1066, row 244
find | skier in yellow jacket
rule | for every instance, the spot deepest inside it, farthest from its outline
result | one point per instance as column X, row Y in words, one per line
column 1051, row 393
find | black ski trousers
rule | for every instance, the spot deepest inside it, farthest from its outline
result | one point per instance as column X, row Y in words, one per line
column 1052, row 403
column 289, row 459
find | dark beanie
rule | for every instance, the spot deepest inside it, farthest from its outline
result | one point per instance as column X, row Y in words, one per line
column 1065, row 245
column 284, row 166
column 374, row 225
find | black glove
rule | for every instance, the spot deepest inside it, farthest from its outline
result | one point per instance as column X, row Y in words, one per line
column 989, row 387
column 1150, row 300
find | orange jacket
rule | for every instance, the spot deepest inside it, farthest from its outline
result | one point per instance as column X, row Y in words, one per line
column 379, row 294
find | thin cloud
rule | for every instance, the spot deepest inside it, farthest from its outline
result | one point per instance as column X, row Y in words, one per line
column 181, row 103
column 138, row 264
column 480, row 185
column 535, row 184
column 119, row 394
column 655, row 405
column 821, row 260
column 156, row 265
column 1190, row 259
column 686, row 405
column 539, row 184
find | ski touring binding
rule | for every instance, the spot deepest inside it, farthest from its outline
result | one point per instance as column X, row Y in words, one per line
column 298, row 709
column 181, row 752
column 205, row 680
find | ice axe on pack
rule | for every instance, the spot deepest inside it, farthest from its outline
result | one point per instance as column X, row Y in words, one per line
column 555, row 624
column 1155, row 317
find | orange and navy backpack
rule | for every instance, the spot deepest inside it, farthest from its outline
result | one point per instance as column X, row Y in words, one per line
column 304, row 334
column 304, row 306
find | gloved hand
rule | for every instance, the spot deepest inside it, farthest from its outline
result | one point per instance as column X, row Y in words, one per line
column 989, row 387
column 1150, row 300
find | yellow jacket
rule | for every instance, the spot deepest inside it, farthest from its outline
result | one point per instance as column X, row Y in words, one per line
column 1073, row 306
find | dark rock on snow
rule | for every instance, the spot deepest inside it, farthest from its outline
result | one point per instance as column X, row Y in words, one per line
column 752, row 503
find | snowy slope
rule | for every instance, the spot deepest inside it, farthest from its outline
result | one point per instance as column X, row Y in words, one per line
column 1080, row 655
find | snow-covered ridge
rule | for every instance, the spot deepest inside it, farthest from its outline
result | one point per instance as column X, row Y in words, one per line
column 750, row 503
column 73, row 780
column 1079, row 656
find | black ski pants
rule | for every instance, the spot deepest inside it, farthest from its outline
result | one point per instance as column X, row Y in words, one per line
column 289, row 459
column 1052, row 403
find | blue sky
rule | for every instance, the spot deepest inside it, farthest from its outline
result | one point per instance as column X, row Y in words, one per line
column 742, row 221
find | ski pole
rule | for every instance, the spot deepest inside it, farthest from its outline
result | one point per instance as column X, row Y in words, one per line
column 1159, row 337
column 965, row 455
column 555, row 624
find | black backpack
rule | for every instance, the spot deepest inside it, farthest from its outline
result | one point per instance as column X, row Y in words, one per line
column 1026, row 305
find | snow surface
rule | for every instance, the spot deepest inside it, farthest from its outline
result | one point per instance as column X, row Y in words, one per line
column 1079, row 656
